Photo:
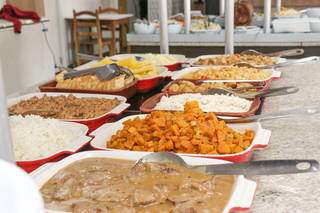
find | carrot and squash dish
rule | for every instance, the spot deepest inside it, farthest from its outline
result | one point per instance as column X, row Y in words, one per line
column 191, row 131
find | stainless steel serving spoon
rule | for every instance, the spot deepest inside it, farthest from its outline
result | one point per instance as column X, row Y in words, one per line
column 311, row 59
column 284, row 53
column 264, row 167
column 251, row 95
column 309, row 110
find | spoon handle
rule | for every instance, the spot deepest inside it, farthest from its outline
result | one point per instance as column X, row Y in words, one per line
column 265, row 167
column 310, row 110
column 271, row 92
column 294, row 62
column 286, row 53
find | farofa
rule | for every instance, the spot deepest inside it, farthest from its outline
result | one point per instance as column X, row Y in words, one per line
column 191, row 131
column 236, row 58
column 228, row 73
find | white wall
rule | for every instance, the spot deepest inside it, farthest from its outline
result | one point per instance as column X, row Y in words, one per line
column 25, row 58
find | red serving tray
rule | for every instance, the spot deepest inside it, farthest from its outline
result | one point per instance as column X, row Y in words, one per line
column 128, row 91
column 150, row 103
column 146, row 85
column 29, row 166
column 266, row 85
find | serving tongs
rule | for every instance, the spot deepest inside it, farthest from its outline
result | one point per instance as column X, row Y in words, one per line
column 309, row 110
column 263, row 167
column 284, row 53
column 251, row 95
column 104, row 73
column 311, row 59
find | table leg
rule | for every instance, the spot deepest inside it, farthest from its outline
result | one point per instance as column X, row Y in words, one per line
column 113, row 38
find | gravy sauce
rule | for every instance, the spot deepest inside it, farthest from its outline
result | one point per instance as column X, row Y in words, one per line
column 110, row 185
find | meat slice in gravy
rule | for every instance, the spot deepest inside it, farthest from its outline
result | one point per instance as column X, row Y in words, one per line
column 109, row 185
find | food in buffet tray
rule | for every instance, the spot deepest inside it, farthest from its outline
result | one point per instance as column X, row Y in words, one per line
column 227, row 73
column 160, row 59
column 287, row 12
column 112, row 185
column 207, row 103
column 204, row 26
column 190, row 131
column 188, row 86
column 236, row 58
column 35, row 137
column 140, row 69
column 92, row 82
column 64, row 107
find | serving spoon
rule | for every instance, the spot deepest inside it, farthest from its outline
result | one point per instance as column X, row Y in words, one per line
column 264, row 167
column 284, row 53
column 309, row 110
column 266, row 93
column 272, row 66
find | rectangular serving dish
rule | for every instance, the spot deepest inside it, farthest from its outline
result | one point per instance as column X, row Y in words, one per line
column 128, row 91
column 193, row 61
column 273, row 75
column 265, row 86
column 171, row 67
column 71, row 148
column 261, row 139
column 145, row 85
column 149, row 105
column 92, row 123
column 241, row 198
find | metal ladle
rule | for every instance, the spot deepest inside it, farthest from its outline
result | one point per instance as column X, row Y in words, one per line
column 264, row 167
column 266, row 93
column 309, row 110
column 311, row 59
column 284, row 53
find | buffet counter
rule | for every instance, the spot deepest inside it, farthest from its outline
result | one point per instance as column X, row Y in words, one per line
column 296, row 137
column 217, row 39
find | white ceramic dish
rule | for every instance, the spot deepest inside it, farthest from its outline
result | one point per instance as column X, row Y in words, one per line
column 294, row 25
column 71, row 148
column 313, row 12
column 315, row 26
column 261, row 139
column 115, row 111
column 178, row 75
column 174, row 28
column 141, row 28
column 178, row 57
column 241, row 198
column 194, row 60
column 249, row 30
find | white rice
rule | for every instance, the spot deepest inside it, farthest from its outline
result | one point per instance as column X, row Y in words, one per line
column 208, row 103
column 35, row 137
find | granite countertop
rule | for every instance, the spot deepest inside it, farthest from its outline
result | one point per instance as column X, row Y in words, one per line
column 296, row 137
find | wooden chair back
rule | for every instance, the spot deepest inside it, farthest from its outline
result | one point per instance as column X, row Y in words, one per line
column 80, row 24
column 109, row 10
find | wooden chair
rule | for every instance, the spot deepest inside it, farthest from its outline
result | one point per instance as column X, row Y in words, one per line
column 122, row 28
column 89, row 33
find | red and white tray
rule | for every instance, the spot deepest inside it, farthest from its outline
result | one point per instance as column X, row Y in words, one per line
column 261, row 139
column 193, row 61
column 179, row 75
column 241, row 198
column 71, row 148
column 181, row 59
column 145, row 85
column 92, row 123
column 149, row 105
